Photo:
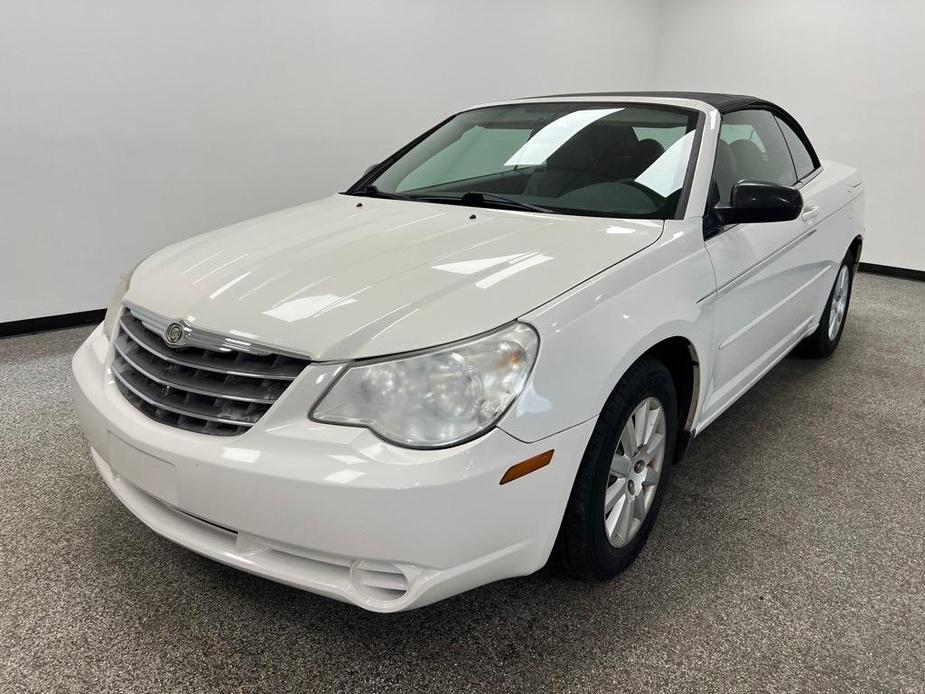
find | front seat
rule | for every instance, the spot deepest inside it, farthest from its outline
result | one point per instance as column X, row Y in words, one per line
column 725, row 171
column 574, row 165
column 645, row 153
column 749, row 160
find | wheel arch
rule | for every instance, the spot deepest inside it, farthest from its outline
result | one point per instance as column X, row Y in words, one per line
column 857, row 245
column 679, row 356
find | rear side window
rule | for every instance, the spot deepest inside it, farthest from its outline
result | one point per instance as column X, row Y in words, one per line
column 751, row 146
column 801, row 157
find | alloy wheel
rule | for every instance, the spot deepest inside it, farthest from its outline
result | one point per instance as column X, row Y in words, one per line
column 634, row 472
column 839, row 302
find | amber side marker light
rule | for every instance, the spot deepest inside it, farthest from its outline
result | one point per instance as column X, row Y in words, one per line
column 526, row 467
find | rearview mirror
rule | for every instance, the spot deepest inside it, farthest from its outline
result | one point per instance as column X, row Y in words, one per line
column 759, row 201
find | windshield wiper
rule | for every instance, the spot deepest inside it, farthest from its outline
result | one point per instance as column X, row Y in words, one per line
column 478, row 198
column 372, row 191
column 475, row 198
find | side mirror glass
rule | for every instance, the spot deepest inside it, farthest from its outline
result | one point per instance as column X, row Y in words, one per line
column 759, row 201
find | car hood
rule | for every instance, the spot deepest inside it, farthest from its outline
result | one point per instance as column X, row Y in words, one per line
column 349, row 277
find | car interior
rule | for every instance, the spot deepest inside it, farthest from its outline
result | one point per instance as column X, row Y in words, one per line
column 594, row 170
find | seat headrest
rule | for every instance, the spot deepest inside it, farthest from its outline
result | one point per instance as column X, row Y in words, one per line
column 645, row 153
column 725, row 171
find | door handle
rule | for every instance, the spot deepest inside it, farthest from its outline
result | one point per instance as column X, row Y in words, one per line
column 810, row 213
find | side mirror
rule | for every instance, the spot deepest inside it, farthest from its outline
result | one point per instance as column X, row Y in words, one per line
column 369, row 169
column 759, row 201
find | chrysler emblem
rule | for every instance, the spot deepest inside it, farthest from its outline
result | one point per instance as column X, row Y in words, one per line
column 173, row 334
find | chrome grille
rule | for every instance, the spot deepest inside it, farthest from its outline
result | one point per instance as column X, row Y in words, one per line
column 210, row 385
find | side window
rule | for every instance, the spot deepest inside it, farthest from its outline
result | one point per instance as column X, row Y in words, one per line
column 751, row 146
column 801, row 157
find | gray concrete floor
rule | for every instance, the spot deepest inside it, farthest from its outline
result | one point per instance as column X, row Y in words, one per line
column 789, row 556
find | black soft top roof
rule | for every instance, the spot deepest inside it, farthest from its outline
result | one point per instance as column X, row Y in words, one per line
column 723, row 103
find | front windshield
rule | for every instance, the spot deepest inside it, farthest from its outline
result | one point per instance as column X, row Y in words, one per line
column 597, row 159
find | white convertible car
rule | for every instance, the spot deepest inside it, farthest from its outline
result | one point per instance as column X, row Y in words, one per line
column 490, row 351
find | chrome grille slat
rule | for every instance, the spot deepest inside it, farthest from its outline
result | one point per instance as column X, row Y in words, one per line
column 197, row 359
column 206, row 386
column 161, row 374
column 173, row 407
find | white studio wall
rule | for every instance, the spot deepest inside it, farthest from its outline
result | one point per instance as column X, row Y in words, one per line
column 850, row 72
column 128, row 126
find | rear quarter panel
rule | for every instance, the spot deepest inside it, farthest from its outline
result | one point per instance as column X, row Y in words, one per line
column 838, row 190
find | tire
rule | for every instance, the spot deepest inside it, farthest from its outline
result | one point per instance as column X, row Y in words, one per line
column 591, row 544
column 835, row 314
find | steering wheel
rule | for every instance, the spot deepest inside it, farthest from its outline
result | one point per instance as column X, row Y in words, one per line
column 656, row 199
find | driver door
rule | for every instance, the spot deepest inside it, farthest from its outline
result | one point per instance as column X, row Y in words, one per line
column 758, row 307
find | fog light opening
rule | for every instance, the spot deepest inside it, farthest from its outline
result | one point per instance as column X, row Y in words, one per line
column 379, row 581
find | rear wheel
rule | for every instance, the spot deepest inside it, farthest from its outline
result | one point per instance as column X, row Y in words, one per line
column 832, row 322
column 622, row 476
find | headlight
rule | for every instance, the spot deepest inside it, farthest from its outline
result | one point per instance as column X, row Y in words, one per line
column 436, row 398
column 115, row 303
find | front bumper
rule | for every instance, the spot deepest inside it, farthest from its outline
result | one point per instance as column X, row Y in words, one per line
column 330, row 509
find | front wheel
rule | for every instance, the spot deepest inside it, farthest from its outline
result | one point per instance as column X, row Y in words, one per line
column 832, row 322
column 622, row 476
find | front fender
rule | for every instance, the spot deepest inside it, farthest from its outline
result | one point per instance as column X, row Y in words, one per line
column 592, row 334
